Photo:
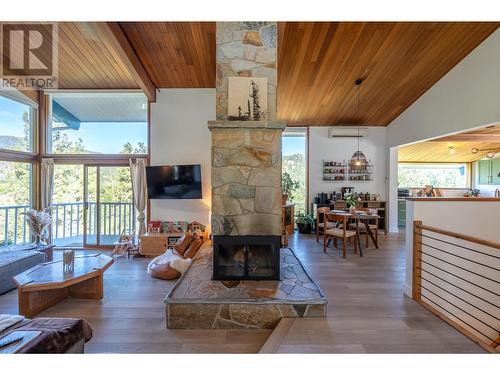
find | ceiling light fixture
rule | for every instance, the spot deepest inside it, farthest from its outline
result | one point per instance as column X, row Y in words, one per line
column 490, row 154
column 452, row 150
column 358, row 159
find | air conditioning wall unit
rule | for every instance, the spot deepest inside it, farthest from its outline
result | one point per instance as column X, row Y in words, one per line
column 346, row 132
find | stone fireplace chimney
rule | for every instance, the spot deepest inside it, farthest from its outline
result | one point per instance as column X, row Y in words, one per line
column 246, row 155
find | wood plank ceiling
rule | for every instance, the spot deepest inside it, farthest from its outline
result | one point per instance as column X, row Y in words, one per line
column 317, row 65
column 438, row 150
column 175, row 54
column 319, row 62
column 88, row 61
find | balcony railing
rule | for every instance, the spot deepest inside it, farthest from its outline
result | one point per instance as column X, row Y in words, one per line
column 68, row 225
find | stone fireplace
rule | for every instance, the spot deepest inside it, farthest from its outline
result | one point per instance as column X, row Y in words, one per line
column 246, row 198
column 243, row 278
column 246, row 160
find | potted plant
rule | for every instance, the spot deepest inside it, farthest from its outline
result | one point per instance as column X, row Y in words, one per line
column 351, row 201
column 304, row 222
column 288, row 186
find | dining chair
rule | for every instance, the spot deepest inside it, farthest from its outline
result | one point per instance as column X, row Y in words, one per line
column 339, row 205
column 320, row 220
column 373, row 225
column 336, row 233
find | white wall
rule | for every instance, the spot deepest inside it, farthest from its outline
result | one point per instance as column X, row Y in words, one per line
column 179, row 135
column 322, row 148
column 472, row 218
column 467, row 97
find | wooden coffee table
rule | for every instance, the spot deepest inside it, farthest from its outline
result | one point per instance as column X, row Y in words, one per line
column 46, row 284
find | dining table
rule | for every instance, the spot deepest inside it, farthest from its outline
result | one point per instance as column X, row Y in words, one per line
column 363, row 217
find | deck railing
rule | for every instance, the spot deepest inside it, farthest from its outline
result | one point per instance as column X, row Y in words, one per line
column 457, row 277
column 68, row 221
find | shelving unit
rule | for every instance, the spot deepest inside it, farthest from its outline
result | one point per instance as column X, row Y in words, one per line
column 361, row 174
column 335, row 170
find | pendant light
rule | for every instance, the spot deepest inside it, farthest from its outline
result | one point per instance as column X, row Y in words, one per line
column 358, row 160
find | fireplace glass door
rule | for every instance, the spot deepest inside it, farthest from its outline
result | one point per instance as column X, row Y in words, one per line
column 246, row 257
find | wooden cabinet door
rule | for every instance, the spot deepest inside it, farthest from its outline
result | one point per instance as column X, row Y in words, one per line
column 484, row 172
column 495, row 171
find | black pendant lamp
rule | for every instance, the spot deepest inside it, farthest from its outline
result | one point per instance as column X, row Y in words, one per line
column 358, row 160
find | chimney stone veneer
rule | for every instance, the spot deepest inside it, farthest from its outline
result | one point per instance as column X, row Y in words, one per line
column 246, row 155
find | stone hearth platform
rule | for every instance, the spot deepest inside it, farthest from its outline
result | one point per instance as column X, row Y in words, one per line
column 197, row 301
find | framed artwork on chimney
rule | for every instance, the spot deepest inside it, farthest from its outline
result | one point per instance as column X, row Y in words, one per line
column 247, row 99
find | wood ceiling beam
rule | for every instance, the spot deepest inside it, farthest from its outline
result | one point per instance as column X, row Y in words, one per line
column 120, row 43
column 472, row 137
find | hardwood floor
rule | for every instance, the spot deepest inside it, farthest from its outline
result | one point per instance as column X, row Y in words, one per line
column 367, row 312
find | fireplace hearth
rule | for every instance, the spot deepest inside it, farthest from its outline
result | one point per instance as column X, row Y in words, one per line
column 251, row 257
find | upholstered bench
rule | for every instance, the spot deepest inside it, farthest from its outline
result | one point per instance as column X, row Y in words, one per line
column 13, row 263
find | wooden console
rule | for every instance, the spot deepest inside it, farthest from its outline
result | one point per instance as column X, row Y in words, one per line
column 154, row 243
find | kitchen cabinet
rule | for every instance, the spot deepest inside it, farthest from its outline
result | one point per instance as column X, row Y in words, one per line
column 401, row 213
column 495, row 169
column 488, row 172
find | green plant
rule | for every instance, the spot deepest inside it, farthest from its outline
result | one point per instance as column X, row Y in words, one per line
column 350, row 200
column 304, row 218
column 288, row 186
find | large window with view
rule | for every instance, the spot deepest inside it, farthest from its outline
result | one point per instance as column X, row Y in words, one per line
column 17, row 121
column 294, row 165
column 16, row 125
column 439, row 175
column 15, row 200
column 98, row 123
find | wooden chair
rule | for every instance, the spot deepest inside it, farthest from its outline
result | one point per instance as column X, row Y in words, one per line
column 373, row 226
column 336, row 233
column 320, row 221
column 339, row 205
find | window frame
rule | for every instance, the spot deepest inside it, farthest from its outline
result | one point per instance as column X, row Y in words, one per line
column 96, row 159
column 468, row 174
column 28, row 157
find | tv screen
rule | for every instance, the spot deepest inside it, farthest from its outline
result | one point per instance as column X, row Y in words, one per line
column 174, row 182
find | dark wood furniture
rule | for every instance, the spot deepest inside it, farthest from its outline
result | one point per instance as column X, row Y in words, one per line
column 320, row 221
column 358, row 225
column 287, row 221
column 46, row 284
column 382, row 210
column 338, row 232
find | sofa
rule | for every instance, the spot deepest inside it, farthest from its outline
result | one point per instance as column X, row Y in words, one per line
column 13, row 262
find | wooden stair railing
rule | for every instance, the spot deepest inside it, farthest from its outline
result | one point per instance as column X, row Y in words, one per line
column 457, row 278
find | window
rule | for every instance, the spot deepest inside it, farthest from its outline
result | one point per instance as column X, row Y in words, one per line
column 98, row 123
column 439, row 175
column 294, row 163
column 16, row 125
column 15, row 199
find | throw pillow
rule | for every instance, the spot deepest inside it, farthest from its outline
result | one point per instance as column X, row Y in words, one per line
column 183, row 243
column 193, row 248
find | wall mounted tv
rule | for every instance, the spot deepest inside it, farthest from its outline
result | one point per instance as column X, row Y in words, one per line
column 174, row 182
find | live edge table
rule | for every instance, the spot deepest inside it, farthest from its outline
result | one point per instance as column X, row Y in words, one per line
column 46, row 284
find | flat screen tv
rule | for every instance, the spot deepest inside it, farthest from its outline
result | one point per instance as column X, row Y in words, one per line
column 174, row 182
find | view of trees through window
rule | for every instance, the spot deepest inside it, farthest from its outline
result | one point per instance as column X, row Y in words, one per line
column 438, row 175
column 294, row 163
column 15, row 125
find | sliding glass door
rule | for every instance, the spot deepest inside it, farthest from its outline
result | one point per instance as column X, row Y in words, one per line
column 109, row 209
